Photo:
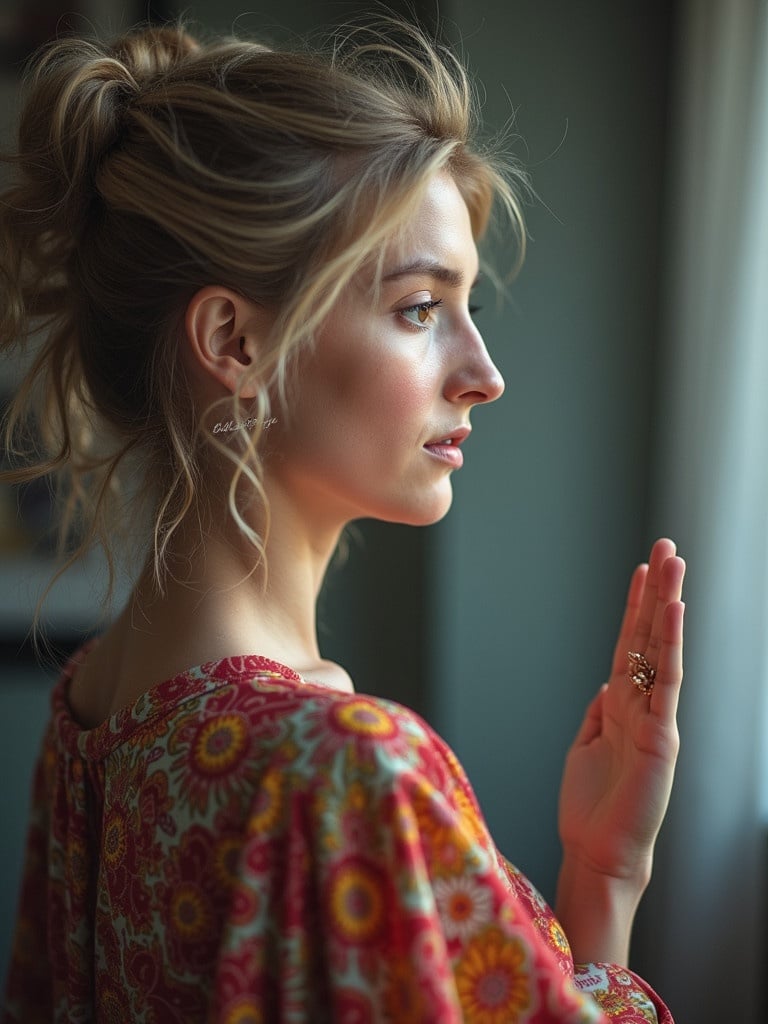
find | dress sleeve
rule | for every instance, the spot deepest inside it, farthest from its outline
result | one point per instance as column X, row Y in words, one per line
column 368, row 889
column 620, row 993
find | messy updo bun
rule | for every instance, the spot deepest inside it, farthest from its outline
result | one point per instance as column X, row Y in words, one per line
column 78, row 94
column 152, row 166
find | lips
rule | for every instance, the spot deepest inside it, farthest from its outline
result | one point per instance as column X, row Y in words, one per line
column 446, row 447
column 451, row 437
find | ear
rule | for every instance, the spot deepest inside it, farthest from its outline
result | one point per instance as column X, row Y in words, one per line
column 223, row 331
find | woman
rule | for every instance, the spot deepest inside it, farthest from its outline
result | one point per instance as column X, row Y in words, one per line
column 253, row 272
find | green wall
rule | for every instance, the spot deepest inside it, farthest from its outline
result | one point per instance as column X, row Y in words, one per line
column 550, row 517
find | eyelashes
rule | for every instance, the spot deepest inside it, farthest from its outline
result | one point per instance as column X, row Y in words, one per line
column 422, row 313
column 420, row 316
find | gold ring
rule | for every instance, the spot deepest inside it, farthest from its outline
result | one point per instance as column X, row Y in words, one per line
column 641, row 673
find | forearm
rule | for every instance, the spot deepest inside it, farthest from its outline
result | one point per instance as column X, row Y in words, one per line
column 597, row 911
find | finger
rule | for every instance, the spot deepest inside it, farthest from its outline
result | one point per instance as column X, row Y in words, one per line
column 670, row 589
column 660, row 552
column 629, row 620
column 669, row 673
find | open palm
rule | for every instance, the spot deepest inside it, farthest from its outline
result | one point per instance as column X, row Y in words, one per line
column 618, row 773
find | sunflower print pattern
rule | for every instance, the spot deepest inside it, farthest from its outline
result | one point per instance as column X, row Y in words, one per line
column 240, row 846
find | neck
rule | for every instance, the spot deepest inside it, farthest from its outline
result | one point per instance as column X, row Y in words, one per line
column 215, row 605
column 224, row 606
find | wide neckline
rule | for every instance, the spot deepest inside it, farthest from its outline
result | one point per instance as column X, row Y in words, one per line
column 161, row 698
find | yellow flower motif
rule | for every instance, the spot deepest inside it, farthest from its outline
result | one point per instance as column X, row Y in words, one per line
column 364, row 718
column 225, row 858
column 557, row 937
column 220, row 744
column 245, row 1010
column 357, row 902
column 269, row 803
column 114, row 843
column 493, row 979
column 190, row 913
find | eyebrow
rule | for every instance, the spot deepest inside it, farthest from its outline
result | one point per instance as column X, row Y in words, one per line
column 430, row 268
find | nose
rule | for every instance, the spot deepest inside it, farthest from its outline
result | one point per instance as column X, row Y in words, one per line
column 476, row 378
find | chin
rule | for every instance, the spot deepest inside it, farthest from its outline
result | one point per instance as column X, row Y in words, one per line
column 423, row 515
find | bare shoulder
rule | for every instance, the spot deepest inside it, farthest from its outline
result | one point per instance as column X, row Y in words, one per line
column 328, row 673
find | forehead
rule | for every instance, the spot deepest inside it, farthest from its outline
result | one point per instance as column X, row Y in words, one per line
column 438, row 231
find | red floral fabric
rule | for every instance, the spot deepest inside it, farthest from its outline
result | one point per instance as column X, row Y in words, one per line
column 241, row 846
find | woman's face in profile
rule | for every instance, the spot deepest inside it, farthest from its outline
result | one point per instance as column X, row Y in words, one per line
column 383, row 401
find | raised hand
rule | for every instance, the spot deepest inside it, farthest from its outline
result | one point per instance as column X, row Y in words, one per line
column 618, row 773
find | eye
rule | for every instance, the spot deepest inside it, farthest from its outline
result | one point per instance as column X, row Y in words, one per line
column 420, row 316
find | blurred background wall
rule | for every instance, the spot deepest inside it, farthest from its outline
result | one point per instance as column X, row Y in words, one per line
column 632, row 409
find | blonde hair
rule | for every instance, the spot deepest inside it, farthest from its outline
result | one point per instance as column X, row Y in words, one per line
column 152, row 166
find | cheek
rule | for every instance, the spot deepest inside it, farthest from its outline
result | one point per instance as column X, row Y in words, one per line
column 412, row 396
column 365, row 385
column 396, row 385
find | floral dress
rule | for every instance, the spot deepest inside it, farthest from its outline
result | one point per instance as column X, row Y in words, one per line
column 242, row 847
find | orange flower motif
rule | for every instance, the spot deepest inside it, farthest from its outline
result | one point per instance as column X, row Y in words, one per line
column 469, row 815
column 357, row 902
column 446, row 843
column 493, row 979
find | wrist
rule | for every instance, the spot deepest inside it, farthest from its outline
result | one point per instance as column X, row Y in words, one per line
column 597, row 909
